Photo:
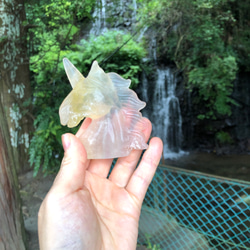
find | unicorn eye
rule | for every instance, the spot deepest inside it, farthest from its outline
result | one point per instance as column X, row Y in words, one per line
column 117, row 123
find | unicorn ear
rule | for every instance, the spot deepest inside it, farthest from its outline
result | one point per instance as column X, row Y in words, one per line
column 72, row 72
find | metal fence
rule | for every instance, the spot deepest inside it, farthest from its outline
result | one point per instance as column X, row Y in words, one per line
column 190, row 210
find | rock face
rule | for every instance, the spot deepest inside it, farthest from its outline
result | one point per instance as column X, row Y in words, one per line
column 114, row 14
column 202, row 134
column 240, row 121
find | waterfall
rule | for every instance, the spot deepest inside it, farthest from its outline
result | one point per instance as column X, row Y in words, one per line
column 163, row 107
column 99, row 16
column 164, row 111
column 121, row 15
column 167, row 120
column 134, row 3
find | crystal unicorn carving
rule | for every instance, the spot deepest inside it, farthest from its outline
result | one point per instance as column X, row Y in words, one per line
column 117, row 123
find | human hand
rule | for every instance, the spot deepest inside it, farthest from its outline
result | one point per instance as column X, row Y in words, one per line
column 86, row 210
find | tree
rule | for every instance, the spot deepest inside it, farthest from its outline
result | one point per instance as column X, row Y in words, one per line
column 15, row 124
column 14, row 79
column 11, row 229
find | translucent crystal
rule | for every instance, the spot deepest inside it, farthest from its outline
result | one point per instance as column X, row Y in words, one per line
column 117, row 124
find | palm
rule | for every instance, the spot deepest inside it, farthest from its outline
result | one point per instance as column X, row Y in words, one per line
column 91, row 210
column 117, row 212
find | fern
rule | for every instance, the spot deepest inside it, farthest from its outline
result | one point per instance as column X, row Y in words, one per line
column 44, row 151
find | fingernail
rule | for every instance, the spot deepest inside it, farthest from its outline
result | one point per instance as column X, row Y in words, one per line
column 65, row 141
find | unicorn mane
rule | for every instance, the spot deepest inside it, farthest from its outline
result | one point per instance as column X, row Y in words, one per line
column 117, row 122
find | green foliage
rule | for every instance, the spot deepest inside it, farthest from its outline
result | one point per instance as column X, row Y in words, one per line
column 223, row 138
column 53, row 36
column 41, row 146
column 215, row 84
column 112, row 56
column 53, row 25
column 150, row 245
column 198, row 35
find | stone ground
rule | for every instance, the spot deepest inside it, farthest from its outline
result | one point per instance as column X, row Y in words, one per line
column 33, row 191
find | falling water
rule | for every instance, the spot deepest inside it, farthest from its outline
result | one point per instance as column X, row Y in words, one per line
column 122, row 13
column 165, row 112
column 134, row 4
column 173, row 114
column 99, row 15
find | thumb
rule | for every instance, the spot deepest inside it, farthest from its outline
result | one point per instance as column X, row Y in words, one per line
column 72, row 171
